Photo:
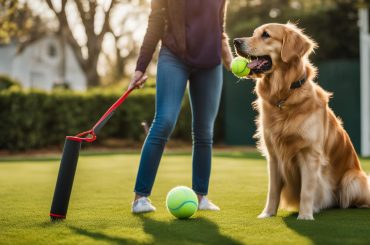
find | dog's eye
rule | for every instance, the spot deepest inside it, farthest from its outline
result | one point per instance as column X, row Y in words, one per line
column 265, row 35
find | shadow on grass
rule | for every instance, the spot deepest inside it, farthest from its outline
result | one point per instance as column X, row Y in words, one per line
column 196, row 231
column 191, row 231
column 334, row 226
column 99, row 236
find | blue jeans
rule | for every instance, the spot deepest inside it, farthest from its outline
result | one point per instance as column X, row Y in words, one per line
column 205, row 87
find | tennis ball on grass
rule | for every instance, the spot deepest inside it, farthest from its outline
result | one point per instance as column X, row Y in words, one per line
column 239, row 67
column 182, row 202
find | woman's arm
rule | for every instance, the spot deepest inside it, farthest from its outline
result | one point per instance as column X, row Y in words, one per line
column 154, row 33
column 227, row 55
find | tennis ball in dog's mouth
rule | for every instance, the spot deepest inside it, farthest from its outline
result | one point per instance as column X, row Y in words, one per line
column 182, row 202
column 239, row 67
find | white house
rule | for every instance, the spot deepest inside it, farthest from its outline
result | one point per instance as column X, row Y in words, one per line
column 42, row 64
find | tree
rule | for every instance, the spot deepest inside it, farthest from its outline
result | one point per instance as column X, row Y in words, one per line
column 7, row 11
column 16, row 21
column 95, row 32
column 87, row 12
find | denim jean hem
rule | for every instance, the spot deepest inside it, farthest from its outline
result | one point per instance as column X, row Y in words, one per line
column 142, row 194
column 200, row 193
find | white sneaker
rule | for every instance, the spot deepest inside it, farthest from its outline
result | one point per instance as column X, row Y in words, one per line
column 142, row 205
column 206, row 204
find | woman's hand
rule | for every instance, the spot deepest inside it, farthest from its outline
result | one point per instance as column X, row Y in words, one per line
column 227, row 62
column 227, row 56
column 137, row 80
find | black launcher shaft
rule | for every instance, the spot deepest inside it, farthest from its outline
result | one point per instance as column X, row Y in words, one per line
column 63, row 187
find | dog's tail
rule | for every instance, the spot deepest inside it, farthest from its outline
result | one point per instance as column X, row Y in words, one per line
column 354, row 189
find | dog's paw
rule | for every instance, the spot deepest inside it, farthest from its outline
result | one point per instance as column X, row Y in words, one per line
column 265, row 215
column 305, row 217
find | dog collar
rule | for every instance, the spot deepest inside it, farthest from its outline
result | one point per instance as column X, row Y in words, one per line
column 294, row 85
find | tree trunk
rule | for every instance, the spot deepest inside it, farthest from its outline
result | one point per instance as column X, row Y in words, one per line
column 119, row 69
column 93, row 78
column 62, row 64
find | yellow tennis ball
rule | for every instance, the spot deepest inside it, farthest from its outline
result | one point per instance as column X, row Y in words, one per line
column 182, row 202
column 239, row 67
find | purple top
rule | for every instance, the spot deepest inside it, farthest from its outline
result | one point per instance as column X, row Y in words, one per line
column 203, row 29
column 192, row 29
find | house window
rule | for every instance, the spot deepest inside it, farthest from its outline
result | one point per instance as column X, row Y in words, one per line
column 52, row 50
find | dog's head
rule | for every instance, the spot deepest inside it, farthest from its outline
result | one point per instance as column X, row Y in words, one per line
column 273, row 46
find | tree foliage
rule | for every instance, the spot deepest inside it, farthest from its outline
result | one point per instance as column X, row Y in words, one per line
column 16, row 20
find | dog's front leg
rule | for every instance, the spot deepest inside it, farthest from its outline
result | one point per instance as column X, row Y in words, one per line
column 275, row 186
column 309, row 168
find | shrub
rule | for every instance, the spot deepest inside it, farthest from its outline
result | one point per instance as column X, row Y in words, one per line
column 35, row 119
column 7, row 82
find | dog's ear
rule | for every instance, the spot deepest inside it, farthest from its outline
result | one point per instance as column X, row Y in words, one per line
column 295, row 45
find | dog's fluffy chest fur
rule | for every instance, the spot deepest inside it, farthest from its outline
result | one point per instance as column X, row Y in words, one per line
column 295, row 126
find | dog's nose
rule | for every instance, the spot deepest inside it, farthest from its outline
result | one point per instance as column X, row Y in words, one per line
column 238, row 42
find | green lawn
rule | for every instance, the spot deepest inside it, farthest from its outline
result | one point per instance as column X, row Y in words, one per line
column 99, row 211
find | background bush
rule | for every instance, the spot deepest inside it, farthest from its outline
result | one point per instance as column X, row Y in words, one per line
column 7, row 82
column 33, row 119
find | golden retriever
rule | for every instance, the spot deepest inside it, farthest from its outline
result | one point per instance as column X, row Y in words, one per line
column 312, row 163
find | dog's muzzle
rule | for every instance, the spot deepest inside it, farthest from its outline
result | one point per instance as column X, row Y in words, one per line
column 258, row 64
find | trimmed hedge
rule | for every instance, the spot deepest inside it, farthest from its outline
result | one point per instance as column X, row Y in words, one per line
column 31, row 120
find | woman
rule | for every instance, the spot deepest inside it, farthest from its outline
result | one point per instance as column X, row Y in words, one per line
column 193, row 43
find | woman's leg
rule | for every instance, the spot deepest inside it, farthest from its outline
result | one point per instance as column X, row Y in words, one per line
column 205, row 93
column 172, row 76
